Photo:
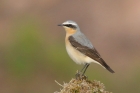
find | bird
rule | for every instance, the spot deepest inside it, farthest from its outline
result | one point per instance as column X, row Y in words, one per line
column 80, row 49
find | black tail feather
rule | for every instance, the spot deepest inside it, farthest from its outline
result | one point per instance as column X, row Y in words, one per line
column 110, row 70
column 106, row 66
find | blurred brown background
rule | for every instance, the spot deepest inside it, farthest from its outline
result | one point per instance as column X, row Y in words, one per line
column 32, row 48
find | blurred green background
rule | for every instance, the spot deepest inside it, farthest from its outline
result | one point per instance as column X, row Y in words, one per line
column 32, row 48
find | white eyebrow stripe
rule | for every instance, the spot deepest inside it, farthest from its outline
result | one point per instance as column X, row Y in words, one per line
column 70, row 22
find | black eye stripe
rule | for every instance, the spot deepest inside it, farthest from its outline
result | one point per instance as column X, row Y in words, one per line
column 70, row 25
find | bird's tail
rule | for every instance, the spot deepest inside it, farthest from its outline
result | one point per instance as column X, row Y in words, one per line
column 110, row 70
column 106, row 66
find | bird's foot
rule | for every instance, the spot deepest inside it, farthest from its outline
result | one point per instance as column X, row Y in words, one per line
column 84, row 77
column 80, row 76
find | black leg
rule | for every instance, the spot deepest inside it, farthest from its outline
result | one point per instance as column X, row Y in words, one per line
column 80, row 75
column 85, row 68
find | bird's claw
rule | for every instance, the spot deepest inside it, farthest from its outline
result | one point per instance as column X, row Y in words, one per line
column 80, row 76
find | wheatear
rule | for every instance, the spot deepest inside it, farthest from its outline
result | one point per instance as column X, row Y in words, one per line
column 79, row 48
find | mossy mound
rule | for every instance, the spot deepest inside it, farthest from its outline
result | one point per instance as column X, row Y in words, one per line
column 83, row 86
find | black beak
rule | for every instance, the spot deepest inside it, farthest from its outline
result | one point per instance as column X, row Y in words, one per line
column 60, row 24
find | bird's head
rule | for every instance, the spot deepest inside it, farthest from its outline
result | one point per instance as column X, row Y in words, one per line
column 70, row 26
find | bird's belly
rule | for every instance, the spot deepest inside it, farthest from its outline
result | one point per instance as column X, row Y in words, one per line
column 77, row 56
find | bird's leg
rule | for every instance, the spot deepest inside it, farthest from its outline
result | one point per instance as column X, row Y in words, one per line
column 84, row 67
column 87, row 64
column 78, row 74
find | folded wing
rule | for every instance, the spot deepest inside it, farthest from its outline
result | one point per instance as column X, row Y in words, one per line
column 90, row 52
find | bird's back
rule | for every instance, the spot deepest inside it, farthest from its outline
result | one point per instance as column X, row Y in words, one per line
column 82, row 39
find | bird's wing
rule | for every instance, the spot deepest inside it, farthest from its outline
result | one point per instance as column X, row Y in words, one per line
column 90, row 52
column 82, row 39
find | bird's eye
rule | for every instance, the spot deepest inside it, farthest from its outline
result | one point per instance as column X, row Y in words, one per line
column 70, row 25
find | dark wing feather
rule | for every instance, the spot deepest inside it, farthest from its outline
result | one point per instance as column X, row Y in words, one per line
column 92, row 53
